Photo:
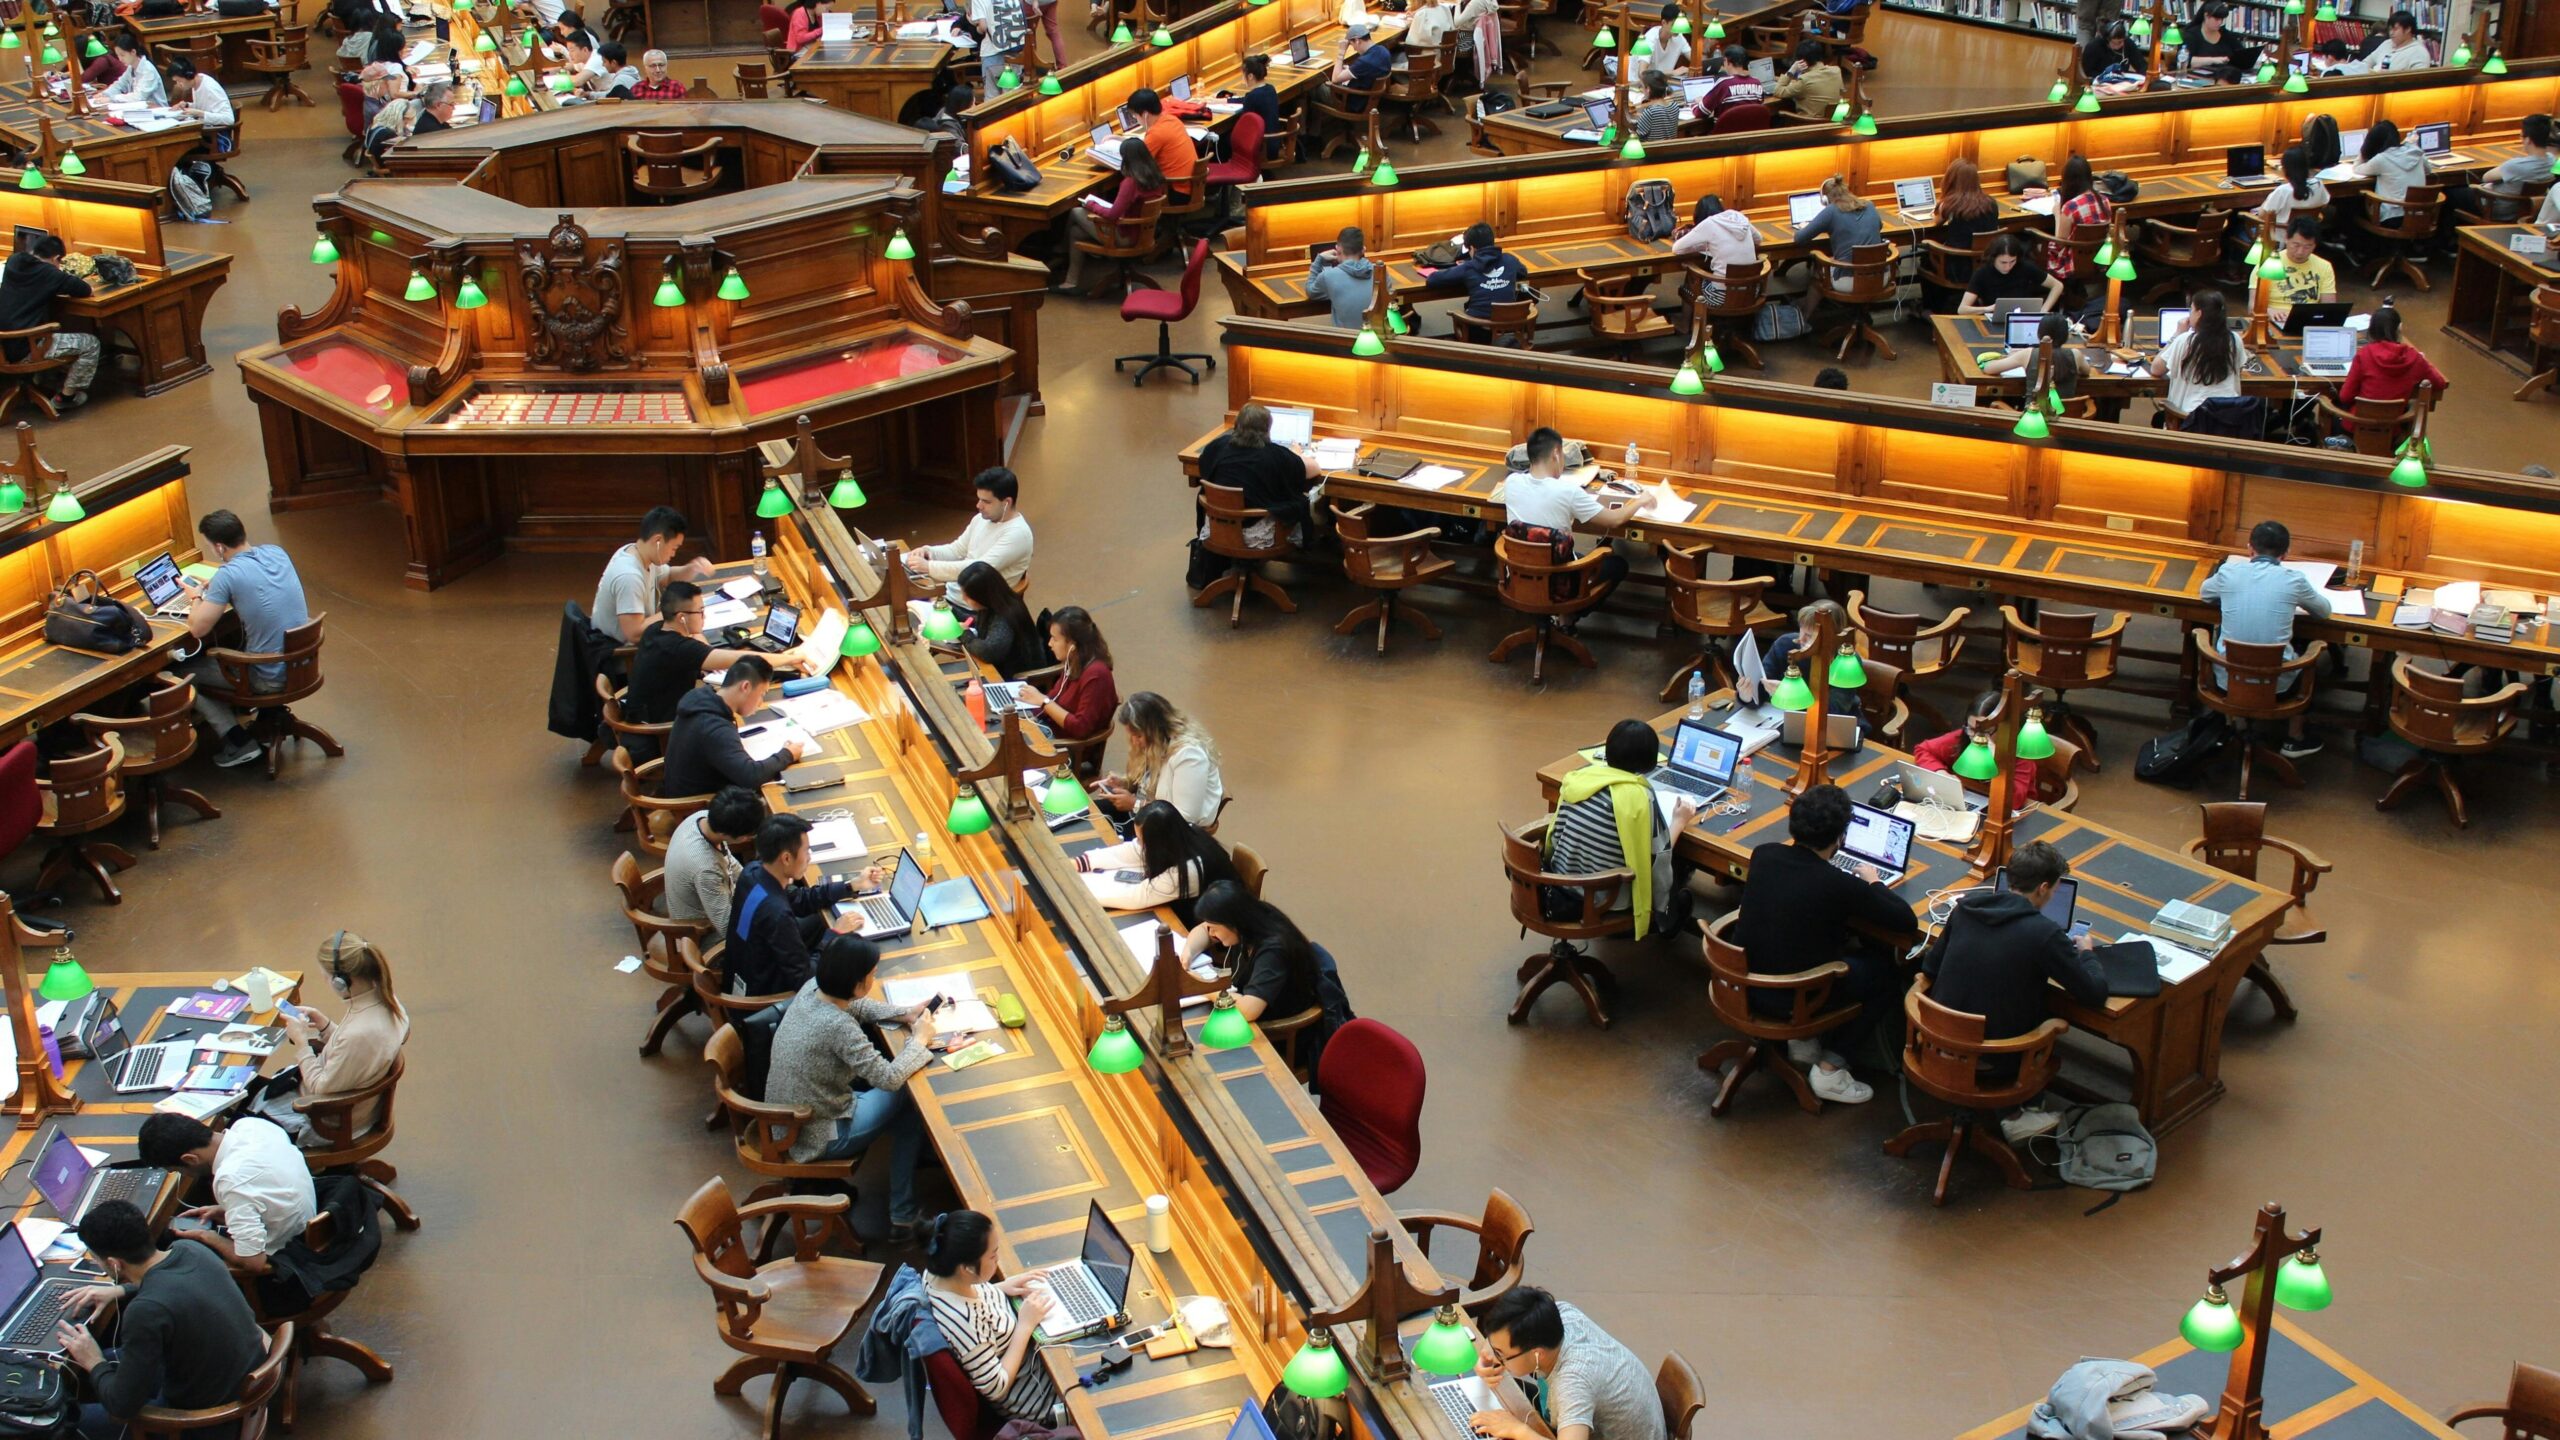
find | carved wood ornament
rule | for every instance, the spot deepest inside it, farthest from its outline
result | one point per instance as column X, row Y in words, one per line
column 574, row 286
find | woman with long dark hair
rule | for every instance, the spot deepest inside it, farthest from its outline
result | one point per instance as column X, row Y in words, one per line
column 1169, row 863
column 1001, row 630
column 1276, row 970
column 2203, row 362
column 972, row 1309
column 1086, row 694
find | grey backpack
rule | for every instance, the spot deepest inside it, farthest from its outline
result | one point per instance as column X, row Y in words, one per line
column 2104, row 1147
column 1652, row 210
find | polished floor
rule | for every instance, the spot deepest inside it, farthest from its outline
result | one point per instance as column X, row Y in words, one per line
column 1802, row 1271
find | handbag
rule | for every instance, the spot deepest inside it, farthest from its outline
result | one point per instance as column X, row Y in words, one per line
column 2024, row 173
column 1012, row 166
column 85, row 617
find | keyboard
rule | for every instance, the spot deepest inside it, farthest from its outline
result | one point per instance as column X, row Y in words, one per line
column 1078, row 1296
column 33, row 1329
column 151, row 1068
column 1847, row 864
column 125, row 1184
column 1457, row 1404
column 877, row 912
column 1687, row 784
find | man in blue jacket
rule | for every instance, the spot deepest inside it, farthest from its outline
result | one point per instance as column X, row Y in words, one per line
column 1489, row 276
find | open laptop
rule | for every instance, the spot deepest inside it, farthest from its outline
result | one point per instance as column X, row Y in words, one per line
column 2327, row 350
column 891, row 911
column 1701, row 763
column 1462, row 1400
column 1093, row 1288
column 1695, row 88
column 1601, row 113
column 35, row 1304
column 133, row 1068
column 2350, row 145
column 2025, row 329
column 70, row 1184
column 1300, row 56
column 2243, row 165
column 2062, row 907
column 1917, row 199
column 2173, row 323
column 2298, row 318
column 163, row 585
column 781, row 630
column 1103, row 147
column 1839, row 729
column 1936, row 788
column 1802, row 208
column 1763, row 70
column 1180, row 89
column 2436, row 143
column 1292, row 427
column 1879, row 838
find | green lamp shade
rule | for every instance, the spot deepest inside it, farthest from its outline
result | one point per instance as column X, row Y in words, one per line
column 515, row 85
column 1115, row 1052
column 2087, row 103
column 860, row 640
column 2294, row 84
column 2106, row 255
column 847, row 494
column 900, row 248
column 2411, row 471
column 2555, row 167
column 1714, row 359
column 2031, row 425
column 1317, row 1371
column 486, row 44
column 1633, row 149
column 65, row 980
column 733, row 286
column 1840, row 113
column 2172, row 38
column 2141, row 29
column 559, row 83
column 2294, row 7
column 2461, row 54
column 1977, row 762
column 1866, row 125
column 941, row 625
column 2033, row 741
column 468, row 295
column 2060, row 92
column 1680, row 26
column 2266, row 72
column 324, row 251
column 2301, row 1284
column 13, row 497
column 1361, row 162
column 9, row 40
column 1162, row 37
column 1446, row 1348
column 1608, row 135
column 968, row 815
column 2122, row 269
column 1715, row 28
column 2272, row 267
column 1227, row 1029
column 1845, row 672
column 1792, row 693
column 1009, row 79
column 51, row 31
column 1049, row 86
column 72, row 164
column 772, row 504
column 1642, row 48
column 1066, row 795
column 1368, row 343
column 52, row 53
column 31, row 178
column 64, row 507
column 1120, row 33
column 1607, row 39
column 2211, row 1323
column 1384, row 176
column 2326, row 14
column 1396, row 323
column 2257, row 252
column 2497, row 64
column 670, row 294
column 1686, row 382
column 420, row 287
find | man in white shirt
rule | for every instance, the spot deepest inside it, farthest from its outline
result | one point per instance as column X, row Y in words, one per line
column 2402, row 50
column 261, row 1188
column 998, row 535
column 1670, row 52
column 1426, row 26
column 1540, row 496
column 199, row 94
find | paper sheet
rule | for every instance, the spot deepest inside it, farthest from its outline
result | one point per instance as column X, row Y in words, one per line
column 2462, row 596
column 963, row 1010
column 40, row 1233
column 745, row 587
column 1667, row 507
column 2043, row 205
column 763, row 742
column 2177, row 962
column 820, row 711
column 2346, row 602
column 1335, row 455
column 831, row 841
column 1432, row 477
column 721, row 614
column 2318, row 572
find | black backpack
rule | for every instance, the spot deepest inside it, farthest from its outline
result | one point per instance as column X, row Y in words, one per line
column 2180, row 756
column 35, row 1398
column 1500, row 102
column 1652, row 210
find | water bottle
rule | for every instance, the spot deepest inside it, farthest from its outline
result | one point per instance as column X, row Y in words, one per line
column 755, row 548
column 924, row 853
column 1698, row 694
column 1635, row 458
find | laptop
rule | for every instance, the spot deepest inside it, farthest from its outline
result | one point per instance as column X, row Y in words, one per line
column 132, row 1068
column 2173, row 323
column 2061, row 907
column 891, row 911
column 1292, row 427
column 2350, row 146
column 1181, row 87
column 1695, row 88
column 2026, row 329
column 2327, row 350
column 1093, row 1288
column 781, row 630
column 1462, row 1400
column 1600, row 113
column 36, row 1304
column 22, row 238
column 2244, row 164
column 1701, row 762
column 1937, row 788
column 2303, row 317
column 1916, row 198
column 1102, row 146
column 163, row 584
column 1299, row 54
column 1879, row 838
column 1839, row 729
column 1802, row 208
column 1763, row 70
column 2436, row 142
column 70, row 1184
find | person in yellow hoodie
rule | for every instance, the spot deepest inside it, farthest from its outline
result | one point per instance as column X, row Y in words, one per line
column 1606, row 819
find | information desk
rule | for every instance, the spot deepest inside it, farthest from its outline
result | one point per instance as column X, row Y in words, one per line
column 870, row 77
column 2272, row 371
column 2115, row 517
column 136, row 512
column 112, row 152
column 160, row 316
column 1270, row 1213
column 2492, row 301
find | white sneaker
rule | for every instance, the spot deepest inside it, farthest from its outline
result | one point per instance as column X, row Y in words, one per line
column 1841, row 1087
column 2027, row 1124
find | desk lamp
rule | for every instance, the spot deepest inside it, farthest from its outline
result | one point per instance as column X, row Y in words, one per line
column 2279, row 1268
column 13, row 496
column 64, row 507
column 64, row 979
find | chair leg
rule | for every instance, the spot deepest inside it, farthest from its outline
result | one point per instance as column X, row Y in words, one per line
column 1217, row 589
column 2081, row 735
column 95, row 858
column 1982, row 1135
column 856, row 1399
column 1563, row 963
column 2541, row 381
column 403, row 1214
column 2263, row 975
column 2411, row 776
column 2275, row 761
column 734, row 1379
column 1743, row 1056
column 1671, row 688
column 1924, row 1133
column 783, row 1375
column 677, row 1003
column 318, row 1344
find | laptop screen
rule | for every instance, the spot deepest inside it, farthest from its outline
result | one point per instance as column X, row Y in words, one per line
column 1878, row 837
column 18, row 1268
column 2026, row 329
column 1705, row 751
column 1600, row 112
column 1298, row 51
column 2173, row 323
column 61, row 1173
column 159, row 579
column 1802, row 208
column 1695, row 88
column 1291, row 426
column 782, row 623
column 1107, row 1255
column 1103, row 136
column 2058, row 907
column 1765, row 71
column 1128, row 121
column 2245, row 160
column 1916, row 195
column 1181, row 87
column 2350, row 145
column 2328, row 345
column 2434, row 139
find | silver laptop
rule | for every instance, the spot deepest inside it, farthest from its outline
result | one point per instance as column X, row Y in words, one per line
column 132, row 1068
column 1181, row 87
column 1916, row 198
column 164, row 585
column 2436, row 143
column 1292, row 427
column 1105, row 149
column 2328, row 349
column 1093, row 1288
column 1802, row 208
column 1839, row 728
column 2173, row 323
column 1600, row 113
column 1694, row 89
column 1763, row 70
column 36, row 1304
column 2024, row 328
column 1937, row 788
column 891, row 911
column 1701, row 764
column 71, row 1185
column 1879, row 838
column 1462, row 1400
column 2350, row 145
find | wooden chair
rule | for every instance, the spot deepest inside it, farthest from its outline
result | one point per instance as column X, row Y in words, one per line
column 755, row 79
column 1512, row 320
column 1229, row 518
column 2544, row 338
column 1683, row 1396
column 2430, row 711
column 700, row 89
column 1280, row 144
column 652, row 818
column 155, row 742
column 1527, row 579
column 1519, row 37
column 271, row 719
column 631, row 737
column 1716, row 610
column 1283, row 1034
column 2235, row 839
column 2376, row 426
column 2063, row 651
column 204, row 50
column 2183, row 256
column 349, row 1131
column 657, row 933
column 281, row 57
column 1127, row 244
column 1884, row 701
column 1389, row 565
column 1418, row 82
column 311, row 1339
column 1502, row 1236
column 1763, row 1042
column 784, row 1317
column 1182, row 205
column 1250, row 872
column 233, row 141
column 1924, row 651
column 81, row 795
column 19, row 377
column 663, row 167
column 765, row 1132
column 1344, row 123
column 2055, row 789
column 1524, row 864
column 1866, row 281
column 1745, row 290
column 2251, row 690
column 248, row 1415
column 1948, row 269
column 2420, row 213
column 704, row 967
column 1942, row 1055
column 2532, row 1411
column 1620, row 309
column 628, row 22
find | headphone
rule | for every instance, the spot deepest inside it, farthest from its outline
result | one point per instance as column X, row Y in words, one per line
column 337, row 967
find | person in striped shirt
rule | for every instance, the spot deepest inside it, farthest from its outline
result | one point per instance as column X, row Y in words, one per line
column 1600, row 807
column 973, row 1310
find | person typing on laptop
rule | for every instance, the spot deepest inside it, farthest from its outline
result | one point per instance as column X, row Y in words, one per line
column 1593, row 1388
column 2386, row 367
column 257, row 581
column 776, row 915
column 2308, row 278
column 1606, row 819
column 262, row 1191
column 1799, row 911
column 705, row 749
column 1996, row 954
column 187, row 1339
column 673, row 657
column 1940, row 754
column 830, row 1058
column 971, row 1307
column 1540, row 498
column 997, row 534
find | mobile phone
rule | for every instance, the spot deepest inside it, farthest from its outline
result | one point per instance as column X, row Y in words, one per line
column 288, row 1009
column 937, row 1002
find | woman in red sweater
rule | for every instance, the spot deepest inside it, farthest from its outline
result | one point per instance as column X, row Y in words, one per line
column 2386, row 369
column 1140, row 181
column 1086, row 695
column 1940, row 754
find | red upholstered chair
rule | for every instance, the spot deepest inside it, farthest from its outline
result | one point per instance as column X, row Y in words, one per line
column 21, row 806
column 351, row 109
column 965, row 1413
column 1243, row 164
column 1370, row 1089
column 1736, row 119
column 1164, row 307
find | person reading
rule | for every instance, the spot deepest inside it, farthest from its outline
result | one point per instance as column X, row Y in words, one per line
column 705, row 750
column 1589, row 1387
column 831, row 1059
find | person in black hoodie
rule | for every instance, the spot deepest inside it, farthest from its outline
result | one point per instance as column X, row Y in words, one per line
column 1798, row 910
column 1996, row 953
column 704, row 752
column 187, row 1339
column 776, row 918
column 29, row 284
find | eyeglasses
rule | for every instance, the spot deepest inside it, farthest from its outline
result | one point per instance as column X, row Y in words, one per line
column 1505, row 1356
column 696, row 613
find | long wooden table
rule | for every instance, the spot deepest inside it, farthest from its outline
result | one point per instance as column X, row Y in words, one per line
column 160, row 316
column 112, row 152
column 166, row 35
column 2271, row 371
column 2173, row 1040
column 869, row 77
column 2491, row 304
column 135, row 512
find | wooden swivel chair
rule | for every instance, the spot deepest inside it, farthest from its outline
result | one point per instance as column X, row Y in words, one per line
column 157, row 741
column 707, row 968
column 1884, row 701
column 281, row 57
column 1250, row 869
column 665, row 168
column 1511, row 321
column 1417, row 83
column 1866, row 281
column 310, row 1325
column 2544, row 337
column 2532, row 1411
column 2055, row 789
column 1524, row 865
column 2235, row 839
column 82, row 795
column 1923, row 650
column 1528, row 579
column 2376, row 426
column 349, row 1132
column 755, row 79
column 1714, row 610
column 1369, row 1086
column 1502, row 1238
column 764, row 1133
column 2430, row 712
column 1946, row 271
column 1729, row 320
column 2250, row 691
column 784, row 1317
column 1127, row 244
column 2183, row 256
column 1229, row 518
column 1388, row 565
column 651, row 817
column 2402, row 239
column 1942, row 1055
column 1344, row 123
column 2063, row 651
column 247, row 1416
column 642, row 895
column 1763, row 1043
column 20, row 379
column 271, row 719
column 644, row 742
column 1683, row 1396
column 1620, row 309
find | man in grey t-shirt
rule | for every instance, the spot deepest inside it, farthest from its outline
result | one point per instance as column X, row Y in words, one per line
column 1594, row 1387
column 2259, row 596
column 258, row 583
column 627, row 596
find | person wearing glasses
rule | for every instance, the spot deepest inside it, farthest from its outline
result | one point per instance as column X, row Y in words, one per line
column 673, row 657
column 1590, row 1386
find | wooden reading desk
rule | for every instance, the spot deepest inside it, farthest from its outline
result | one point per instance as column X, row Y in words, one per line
column 869, row 77
column 2272, row 371
column 111, row 150
column 2492, row 301
column 177, row 31
column 161, row 315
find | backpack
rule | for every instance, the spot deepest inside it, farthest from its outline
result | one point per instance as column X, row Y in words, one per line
column 187, row 192
column 1437, row 257
column 1779, row 320
column 1652, row 212
column 1013, row 167
column 1497, row 102
column 2180, row 756
column 2104, row 1147
column 35, row 1398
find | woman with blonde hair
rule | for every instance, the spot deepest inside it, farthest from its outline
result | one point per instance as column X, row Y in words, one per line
column 1171, row 758
column 352, row 1053
column 1847, row 218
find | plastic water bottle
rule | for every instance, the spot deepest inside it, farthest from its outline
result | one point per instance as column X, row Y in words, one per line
column 1698, row 694
column 1635, row 458
column 924, row 853
column 755, row 548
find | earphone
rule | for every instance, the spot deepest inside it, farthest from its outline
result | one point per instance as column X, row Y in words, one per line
column 337, row 964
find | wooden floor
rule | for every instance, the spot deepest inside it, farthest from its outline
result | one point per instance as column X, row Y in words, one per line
column 1802, row 1271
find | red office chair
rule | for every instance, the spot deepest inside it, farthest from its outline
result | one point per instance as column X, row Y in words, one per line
column 20, row 808
column 1164, row 307
column 965, row 1413
column 351, row 108
column 1370, row 1082
column 1243, row 164
column 1735, row 119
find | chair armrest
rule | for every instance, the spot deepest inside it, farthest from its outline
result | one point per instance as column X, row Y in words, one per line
column 734, row 1292
column 2310, row 656
column 1945, row 251
column 1954, row 618
column 810, row 1216
column 1801, row 979
column 2478, row 1412
column 2110, row 630
column 2041, row 1037
column 2301, row 853
column 2187, row 231
column 1420, row 1223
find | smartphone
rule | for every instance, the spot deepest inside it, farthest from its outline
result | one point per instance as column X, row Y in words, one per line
column 288, row 1010
column 936, row 1003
